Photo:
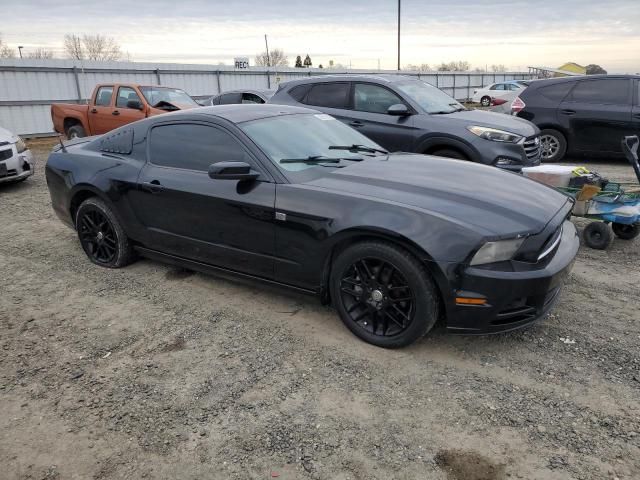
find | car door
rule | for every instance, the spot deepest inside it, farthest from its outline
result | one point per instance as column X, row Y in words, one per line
column 123, row 113
column 100, row 118
column 226, row 223
column 369, row 116
column 597, row 115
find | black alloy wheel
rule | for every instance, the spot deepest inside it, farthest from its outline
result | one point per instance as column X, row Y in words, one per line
column 377, row 297
column 102, row 237
column 383, row 294
column 485, row 101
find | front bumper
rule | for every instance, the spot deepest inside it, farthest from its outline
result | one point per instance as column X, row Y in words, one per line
column 514, row 298
column 18, row 167
column 510, row 156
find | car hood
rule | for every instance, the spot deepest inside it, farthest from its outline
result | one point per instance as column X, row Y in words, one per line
column 6, row 136
column 493, row 202
column 494, row 120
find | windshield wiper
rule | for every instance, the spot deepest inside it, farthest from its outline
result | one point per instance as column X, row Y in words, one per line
column 358, row 148
column 319, row 159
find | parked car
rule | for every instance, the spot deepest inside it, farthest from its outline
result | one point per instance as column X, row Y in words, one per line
column 583, row 115
column 484, row 95
column 16, row 160
column 114, row 105
column 292, row 196
column 239, row 96
column 404, row 114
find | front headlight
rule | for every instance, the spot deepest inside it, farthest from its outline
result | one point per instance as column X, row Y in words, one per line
column 495, row 135
column 20, row 145
column 499, row 251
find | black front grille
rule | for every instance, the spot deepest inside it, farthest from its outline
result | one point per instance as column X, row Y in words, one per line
column 532, row 148
column 4, row 154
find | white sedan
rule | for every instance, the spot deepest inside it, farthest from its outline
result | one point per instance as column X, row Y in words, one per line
column 484, row 95
column 16, row 161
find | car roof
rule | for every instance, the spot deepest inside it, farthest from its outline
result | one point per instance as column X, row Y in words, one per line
column 238, row 113
column 576, row 78
column 352, row 77
column 263, row 91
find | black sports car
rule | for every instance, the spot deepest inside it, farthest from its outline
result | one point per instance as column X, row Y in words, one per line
column 294, row 197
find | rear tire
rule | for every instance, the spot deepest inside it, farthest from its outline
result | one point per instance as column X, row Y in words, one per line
column 101, row 235
column 485, row 101
column 554, row 145
column 76, row 131
column 597, row 235
column 449, row 153
column 626, row 232
column 383, row 294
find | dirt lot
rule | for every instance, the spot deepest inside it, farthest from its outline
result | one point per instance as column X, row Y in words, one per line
column 153, row 372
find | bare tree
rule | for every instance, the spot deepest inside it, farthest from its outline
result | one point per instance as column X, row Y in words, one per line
column 459, row 66
column 41, row 54
column 424, row 67
column 92, row 47
column 498, row 68
column 5, row 51
column 73, row 46
column 276, row 58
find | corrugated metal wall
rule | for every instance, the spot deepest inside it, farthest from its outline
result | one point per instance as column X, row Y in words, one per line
column 28, row 87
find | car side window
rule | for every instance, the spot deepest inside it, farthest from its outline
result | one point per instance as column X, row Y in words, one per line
column 299, row 92
column 124, row 95
column 499, row 86
column 556, row 92
column 230, row 98
column 193, row 146
column 602, row 91
column 251, row 98
column 373, row 98
column 330, row 95
column 103, row 96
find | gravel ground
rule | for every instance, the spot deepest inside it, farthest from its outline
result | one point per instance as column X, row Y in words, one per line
column 154, row 372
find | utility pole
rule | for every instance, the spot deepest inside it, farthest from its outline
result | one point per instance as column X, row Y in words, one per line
column 20, row 50
column 266, row 43
column 398, row 34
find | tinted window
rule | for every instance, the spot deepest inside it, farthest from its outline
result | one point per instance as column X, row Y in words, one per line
column 373, row 98
column 298, row 93
column 230, row 98
column 251, row 98
column 193, row 147
column 606, row 91
column 556, row 92
column 124, row 95
column 103, row 97
column 332, row 95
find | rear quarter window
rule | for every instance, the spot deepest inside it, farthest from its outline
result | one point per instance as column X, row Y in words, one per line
column 330, row 95
column 557, row 92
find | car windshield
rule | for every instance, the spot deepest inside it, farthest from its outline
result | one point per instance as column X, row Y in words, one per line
column 301, row 143
column 175, row 96
column 430, row 98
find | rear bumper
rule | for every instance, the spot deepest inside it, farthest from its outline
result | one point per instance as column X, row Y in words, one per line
column 514, row 298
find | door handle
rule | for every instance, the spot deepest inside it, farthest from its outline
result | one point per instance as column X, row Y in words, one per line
column 356, row 123
column 94, row 110
column 568, row 112
column 153, row 186
column 115, row 112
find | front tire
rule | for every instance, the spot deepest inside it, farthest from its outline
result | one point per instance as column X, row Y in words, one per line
column 101, row 235
column 76, row 131
column 383, row 294
column 597, row 235
column 554, row 145
column 485, row 101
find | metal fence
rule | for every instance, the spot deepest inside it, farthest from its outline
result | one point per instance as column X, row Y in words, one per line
column 29, row 87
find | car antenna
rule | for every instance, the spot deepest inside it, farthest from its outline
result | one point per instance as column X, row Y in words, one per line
column 64, row 149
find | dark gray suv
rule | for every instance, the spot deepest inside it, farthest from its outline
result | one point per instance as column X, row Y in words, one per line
column 404, row 114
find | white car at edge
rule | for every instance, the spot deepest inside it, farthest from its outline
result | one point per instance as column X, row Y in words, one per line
column 484, row 95
column 16, row 160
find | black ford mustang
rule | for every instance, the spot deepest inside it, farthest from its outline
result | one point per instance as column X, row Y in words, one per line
column 291, row 196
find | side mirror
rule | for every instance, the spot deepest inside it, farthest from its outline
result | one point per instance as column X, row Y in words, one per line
column 232, row 171
column 399, row 110
column 135, row 104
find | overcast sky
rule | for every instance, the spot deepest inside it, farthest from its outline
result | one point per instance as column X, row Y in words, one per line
column 510, row 32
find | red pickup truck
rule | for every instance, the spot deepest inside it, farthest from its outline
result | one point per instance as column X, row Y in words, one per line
column 116, row 104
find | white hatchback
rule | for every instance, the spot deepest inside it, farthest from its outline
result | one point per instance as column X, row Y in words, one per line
column 16, row 160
